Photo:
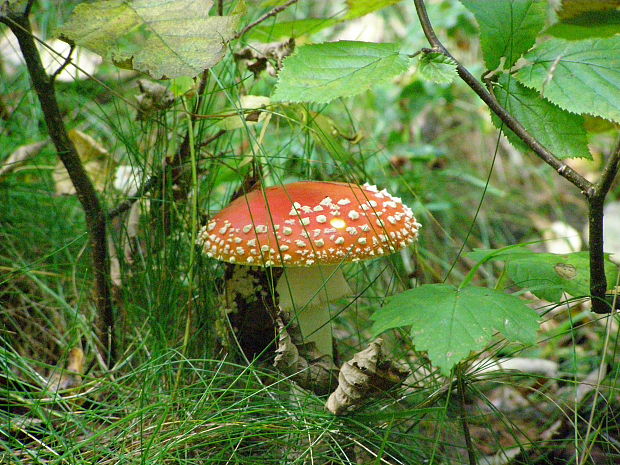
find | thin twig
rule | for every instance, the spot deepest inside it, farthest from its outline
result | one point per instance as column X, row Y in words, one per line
column 127, row 203
column 215, row 136
column 563, row 169
column 265, row 17
column 28, row 8
column 610, row 172
column 64, row 64
column 95, row 216
column 150, row 184
column 460, row 387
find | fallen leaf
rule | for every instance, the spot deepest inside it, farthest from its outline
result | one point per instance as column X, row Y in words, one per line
column 251, row 109
column 53, row 54
column 69, row 377
column 611, row 230
column 97, row 162
column 20, row 156
column 83, row 63
column 561, row 238
column 260, row 57
column 535, row 366
column 127, row 179
column 368, row 373
column 302, row 362
column 153, row 98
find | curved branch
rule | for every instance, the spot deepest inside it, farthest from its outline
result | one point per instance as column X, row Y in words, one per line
column 265, row 17
column 595, row 194
column 563, row 169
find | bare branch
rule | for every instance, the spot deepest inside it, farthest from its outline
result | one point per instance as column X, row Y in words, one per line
column 64, row 64
column 265, row 17
column 596, row 204
column 95, row 216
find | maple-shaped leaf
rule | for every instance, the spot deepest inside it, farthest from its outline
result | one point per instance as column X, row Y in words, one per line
column 449, row 322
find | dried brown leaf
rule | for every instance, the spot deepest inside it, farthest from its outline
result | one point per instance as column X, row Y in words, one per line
column 98, row 163
column 20, row 156
column 152, row 99
column 71, row 376
column 262, row 57
column 368, row 373
column 302, row 362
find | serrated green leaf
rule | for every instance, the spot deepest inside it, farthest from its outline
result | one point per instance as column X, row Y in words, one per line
column 595, row 24
column 582, row 19
column 559, row 131
column 358, row 8
column 508, row 28
column 177, row 37
column 284, row 30
column 581, row 77
column 449, row 323
column 322, row 72
column 436, row 67
column 549, row 275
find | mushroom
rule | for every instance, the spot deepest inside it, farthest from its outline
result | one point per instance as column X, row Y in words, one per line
column 310, row 228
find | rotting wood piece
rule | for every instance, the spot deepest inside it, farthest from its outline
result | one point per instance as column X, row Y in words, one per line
column 248, row 302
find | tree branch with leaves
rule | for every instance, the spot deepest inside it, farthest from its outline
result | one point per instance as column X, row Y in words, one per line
column 594, row 193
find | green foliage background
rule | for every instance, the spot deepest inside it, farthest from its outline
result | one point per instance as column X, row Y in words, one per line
column 175, row 396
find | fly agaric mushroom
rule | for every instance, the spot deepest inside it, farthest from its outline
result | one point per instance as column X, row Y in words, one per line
column 310, row 228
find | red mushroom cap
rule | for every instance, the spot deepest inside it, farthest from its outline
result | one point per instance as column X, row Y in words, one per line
column 308, row 223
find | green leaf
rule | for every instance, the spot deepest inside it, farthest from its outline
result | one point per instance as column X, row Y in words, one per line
column 560, row 132
column 549, row 275
column 503, row 254
column 13, row 7
column 167, row 38
column 582, row 19
column 449, row 323
column 327, row 134
column 581, row 77
column 359, row 8
column 574, row 8
column 436, row 67
column 599, row 24
column 508, row 28
column 322, row 72
column 287, row 29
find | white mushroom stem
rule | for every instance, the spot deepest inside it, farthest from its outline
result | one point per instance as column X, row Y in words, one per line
column 306, row 293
